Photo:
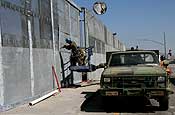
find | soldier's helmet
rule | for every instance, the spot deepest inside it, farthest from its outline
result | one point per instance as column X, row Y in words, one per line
column 68, row 40
column 132, row 48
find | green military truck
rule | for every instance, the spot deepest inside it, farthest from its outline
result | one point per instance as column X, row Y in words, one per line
column 135, row 73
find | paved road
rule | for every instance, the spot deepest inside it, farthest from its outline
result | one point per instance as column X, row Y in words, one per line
column 86, row 101
column 170, row 111
column 132, row 106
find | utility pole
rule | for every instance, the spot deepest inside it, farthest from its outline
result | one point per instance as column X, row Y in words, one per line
column 84, row 19
column 84, row 74
column 164, row 44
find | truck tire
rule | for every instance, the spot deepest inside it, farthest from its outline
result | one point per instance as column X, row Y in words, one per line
column 105, row 103
column 163, row 103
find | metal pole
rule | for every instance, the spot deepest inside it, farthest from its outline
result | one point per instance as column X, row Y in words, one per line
column 52, row 25
column 1, row 69
column 164, row 44
column 84, row 74
column 84, row 11
column 53, row 36
column 31, row 55
column 29, row 27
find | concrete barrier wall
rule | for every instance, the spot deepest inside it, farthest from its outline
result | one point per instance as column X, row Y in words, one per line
column 43, row 79
column 28, row 51
column 16, row 72
column 30, row 44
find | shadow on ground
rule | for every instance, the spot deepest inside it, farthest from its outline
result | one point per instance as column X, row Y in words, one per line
column 95, row 103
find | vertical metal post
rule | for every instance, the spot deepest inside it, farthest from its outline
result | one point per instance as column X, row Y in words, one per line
column 84, row 16
column 164, row 45
column 1, row 71
column 84, row 74
column 31, row 55
column 71, row 82
column 53, row 36
column 70, row 27
column 81, row 30
column 29, row 27
column 52, row 24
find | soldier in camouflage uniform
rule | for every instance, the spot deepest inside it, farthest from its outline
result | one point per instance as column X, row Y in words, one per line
column 77, row 54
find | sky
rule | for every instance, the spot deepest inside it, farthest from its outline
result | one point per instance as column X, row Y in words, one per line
column 135, row 20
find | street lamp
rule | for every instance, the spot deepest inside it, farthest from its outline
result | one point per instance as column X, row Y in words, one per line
column 114, row 34
column 157, row 42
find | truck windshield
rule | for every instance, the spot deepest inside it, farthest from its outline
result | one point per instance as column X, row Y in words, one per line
column 132, row 59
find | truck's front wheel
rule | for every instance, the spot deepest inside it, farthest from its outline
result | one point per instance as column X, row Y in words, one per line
column 163, row 103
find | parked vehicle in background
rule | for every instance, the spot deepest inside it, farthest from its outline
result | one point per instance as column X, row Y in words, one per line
column 172, row 66
column 135, row 73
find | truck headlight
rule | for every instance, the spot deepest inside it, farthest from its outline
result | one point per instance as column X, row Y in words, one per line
column 161, row 79
column 107, row 80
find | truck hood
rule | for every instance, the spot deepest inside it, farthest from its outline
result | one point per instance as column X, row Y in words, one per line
column 139, row 70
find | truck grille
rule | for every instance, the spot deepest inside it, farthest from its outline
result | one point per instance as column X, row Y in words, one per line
column 134, row 82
